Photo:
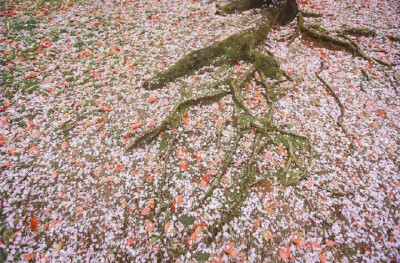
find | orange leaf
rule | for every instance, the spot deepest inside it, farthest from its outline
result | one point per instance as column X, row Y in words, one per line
column 179, row 199
column 152, row 99
column 119, row 167
column 381, row 112
column 3, row 138
column 196, row 233
column 330, row 243
column 231, row 251
column 185, row 120
column 149, row 226
column 145, row 211
column 299, row 240
column 151, row 203
column 64, row 145
column 149, row 178
column 35, row 224
column 28, row 256
column 106, row 107
column 166, row 227
column 203, row 183
column 284, row 252
column 183, row 166
column 322, row 257
column 6, row 164
column 270, row 211
column 257, row 222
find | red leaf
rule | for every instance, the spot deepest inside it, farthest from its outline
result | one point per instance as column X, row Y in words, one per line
column 185, row 120
column 381, row 112
column 119, row 167
column 183, row 166
column 35, row 224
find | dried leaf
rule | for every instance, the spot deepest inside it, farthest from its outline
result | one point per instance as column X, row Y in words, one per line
column 284, row 252
column 145, row 211
column 149, row 226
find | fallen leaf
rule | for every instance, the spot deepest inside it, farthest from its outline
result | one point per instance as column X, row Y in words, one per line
column 230, row 250
column 58, row 247
column 196, row 233
column 185, row 120
column 166, row 227
column 145, row 211
column 64, row 145
column 329, row 243
column 322, row 257
column 119, row 167
column 284, row 252
column 270, row 211
column 203, row 183
column 149, row 226
column 28, row 256
column 149, row 178
column 151, row 203
column 381, row 112
column 183, row 166
column 179, row 199
column 35, row 224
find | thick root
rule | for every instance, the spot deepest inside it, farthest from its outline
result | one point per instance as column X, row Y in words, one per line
column 239, row 46
column 175, row 115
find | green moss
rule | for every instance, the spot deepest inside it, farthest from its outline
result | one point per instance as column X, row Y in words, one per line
column 187, row 220
column 201, row 257
column 7, row 236
column 359, row 31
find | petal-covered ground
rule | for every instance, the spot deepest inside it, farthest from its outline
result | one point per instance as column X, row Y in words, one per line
column 71, row 100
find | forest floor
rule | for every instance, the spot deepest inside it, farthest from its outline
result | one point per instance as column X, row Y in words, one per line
column 71, row 100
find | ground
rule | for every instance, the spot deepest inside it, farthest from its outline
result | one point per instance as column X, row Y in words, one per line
column 73, row 101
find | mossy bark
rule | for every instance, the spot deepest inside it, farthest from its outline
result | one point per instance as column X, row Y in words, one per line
column 239, row 46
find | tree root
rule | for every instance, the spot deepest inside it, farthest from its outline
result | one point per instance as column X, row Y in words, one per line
column 341, row 107
column 227, row 162
column 365, row 32
column 300, row 24
column 240, row 46
column 174, row 116
column 310, row 14
column 320, row 33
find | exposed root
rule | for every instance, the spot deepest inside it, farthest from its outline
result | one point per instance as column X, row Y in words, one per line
column 300, row 24
column 227, row 162
column 240, row 46
column 310, row 14
column 393, row 38
column 320, row 33
column 175, row 115
column 357, row 31
column 335, row 192
column 366, row 32
column 340, row 118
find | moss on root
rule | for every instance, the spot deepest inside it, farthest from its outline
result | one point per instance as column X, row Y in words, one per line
column 239, row 46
